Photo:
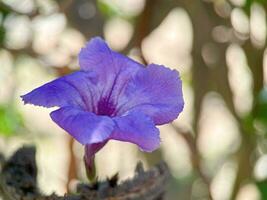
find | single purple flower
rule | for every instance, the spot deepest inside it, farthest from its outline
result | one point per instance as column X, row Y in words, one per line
column 112, row 97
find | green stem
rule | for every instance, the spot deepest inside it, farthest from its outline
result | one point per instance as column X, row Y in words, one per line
column 90, row 168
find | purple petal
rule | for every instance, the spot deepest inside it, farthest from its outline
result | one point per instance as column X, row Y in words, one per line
column 138, row 129
column 155, row 91
column 77, row 89
column 114, row 69
column 85, row 127
column 97, row 56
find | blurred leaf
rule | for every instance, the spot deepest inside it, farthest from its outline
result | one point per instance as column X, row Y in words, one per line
column 109, row 10
column 2, row 34
column 10, row 121
column 247, row 6
column 247, row 123
column 250, row 2
column 260, row 114
column 3, row 14
column 262, row 186
column 4, row 10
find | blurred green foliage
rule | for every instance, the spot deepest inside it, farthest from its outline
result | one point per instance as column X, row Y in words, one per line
column 108, row 10
column 10, row 120
column 262, row 186
column 2, row 34
column 260, row 115
column 250, row 2
column 3, row 13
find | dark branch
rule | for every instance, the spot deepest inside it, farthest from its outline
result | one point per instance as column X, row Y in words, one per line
column 19, row 175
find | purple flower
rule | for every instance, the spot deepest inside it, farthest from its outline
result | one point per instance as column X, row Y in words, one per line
column 112, row 97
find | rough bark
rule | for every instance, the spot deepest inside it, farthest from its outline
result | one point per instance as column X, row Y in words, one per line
column 18, row 181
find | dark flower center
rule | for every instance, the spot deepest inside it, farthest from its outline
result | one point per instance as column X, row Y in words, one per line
column 105, row 107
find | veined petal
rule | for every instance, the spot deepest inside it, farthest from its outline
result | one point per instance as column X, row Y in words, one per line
column 155, row 91
column 97, row 56
column 77, row 89
column 85, row 127
column 114, row 69
column 137, row 128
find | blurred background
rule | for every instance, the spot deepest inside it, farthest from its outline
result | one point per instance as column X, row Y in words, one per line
column 216, row 149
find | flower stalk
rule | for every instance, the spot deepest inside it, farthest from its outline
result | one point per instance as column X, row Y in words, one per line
column 90, row 168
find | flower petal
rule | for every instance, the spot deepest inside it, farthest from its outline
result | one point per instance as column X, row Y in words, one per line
column 114, row 69
column 85, row 127
column 77, row 89
column 97, row 56
column 156, row 91
column 137, row 128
